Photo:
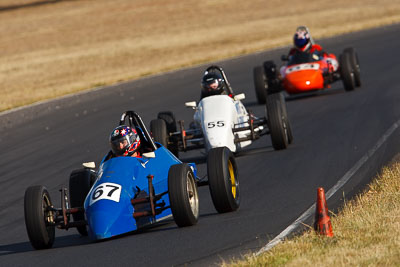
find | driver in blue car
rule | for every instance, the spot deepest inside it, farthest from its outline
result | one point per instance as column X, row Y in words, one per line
column 303, row 42
column 125, row 142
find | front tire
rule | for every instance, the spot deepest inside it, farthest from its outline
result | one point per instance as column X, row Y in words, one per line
column 355, row 64
column 223, row 179
column 286, row 118
column 260, row 84
column 183, row 195
column 277, row 123
column 39, row 220
column 346, row 72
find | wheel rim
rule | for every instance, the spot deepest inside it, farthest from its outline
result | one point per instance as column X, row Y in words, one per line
column 193, row 196
column 48, row 215
column 232, row 177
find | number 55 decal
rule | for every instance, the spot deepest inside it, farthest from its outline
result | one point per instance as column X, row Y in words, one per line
column 109, row 191
column 213, row 124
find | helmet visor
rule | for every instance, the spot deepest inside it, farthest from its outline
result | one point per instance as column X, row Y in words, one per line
column 120, row 145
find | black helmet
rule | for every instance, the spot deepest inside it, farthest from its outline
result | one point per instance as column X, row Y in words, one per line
column 124, row 141
column 212, row 84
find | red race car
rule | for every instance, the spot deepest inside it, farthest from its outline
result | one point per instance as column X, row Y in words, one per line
column 305, row 72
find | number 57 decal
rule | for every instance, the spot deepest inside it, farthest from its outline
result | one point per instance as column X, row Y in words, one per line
column 109, row 191
column 213, row 124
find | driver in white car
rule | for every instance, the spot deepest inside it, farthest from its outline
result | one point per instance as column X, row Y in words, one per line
column 212, row 84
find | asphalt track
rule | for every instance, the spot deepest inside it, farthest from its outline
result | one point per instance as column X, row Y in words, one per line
column 333, row 130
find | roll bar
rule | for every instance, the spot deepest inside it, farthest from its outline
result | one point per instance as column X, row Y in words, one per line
column 135, row 120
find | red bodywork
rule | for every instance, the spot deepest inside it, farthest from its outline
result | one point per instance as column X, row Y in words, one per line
column 308, row 72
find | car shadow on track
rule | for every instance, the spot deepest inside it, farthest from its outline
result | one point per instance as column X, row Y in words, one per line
column 60, row 242
column 244, row 152
column 197, row 159
column 254, row 151
column 319, row 93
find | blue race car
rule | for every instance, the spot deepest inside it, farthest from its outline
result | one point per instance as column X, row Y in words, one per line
column 127, row 193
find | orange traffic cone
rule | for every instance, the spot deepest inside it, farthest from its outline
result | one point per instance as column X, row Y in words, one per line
column 322, row 222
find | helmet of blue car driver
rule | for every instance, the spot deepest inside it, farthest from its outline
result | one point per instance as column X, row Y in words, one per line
column 302, row 38
column 212, row 84
column 124, row 141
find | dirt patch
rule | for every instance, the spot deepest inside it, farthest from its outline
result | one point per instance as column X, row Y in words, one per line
column 60, row 47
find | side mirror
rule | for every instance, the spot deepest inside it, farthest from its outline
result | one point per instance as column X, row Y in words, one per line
column 149, row 155
column 89, row 165
column 239, row 97
column 284, row 58
column 191, row 104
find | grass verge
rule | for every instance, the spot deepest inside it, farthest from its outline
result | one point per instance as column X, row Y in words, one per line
column 366, row 232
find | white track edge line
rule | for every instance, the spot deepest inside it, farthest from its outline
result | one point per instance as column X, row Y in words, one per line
column 331, row 191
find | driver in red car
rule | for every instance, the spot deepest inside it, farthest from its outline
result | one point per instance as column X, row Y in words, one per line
column 125, row 142
column 303, row 42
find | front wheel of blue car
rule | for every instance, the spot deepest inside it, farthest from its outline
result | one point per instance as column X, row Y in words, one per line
column 223, row 179
column 39, row 217
column 183, row 195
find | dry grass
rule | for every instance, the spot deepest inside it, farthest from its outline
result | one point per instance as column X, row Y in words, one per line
column 367, row 233
column 61, row 47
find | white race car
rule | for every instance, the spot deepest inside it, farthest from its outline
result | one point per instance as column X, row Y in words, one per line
column 223, row 121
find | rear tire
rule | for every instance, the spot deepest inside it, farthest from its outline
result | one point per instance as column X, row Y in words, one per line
column 169, row 119
column 160, row 131
column 183, row 195
column 355, row 64
column 260, row 84
column 38, row 220
column 80, row 182
column 158, row 128
column 277, row 122
column 346, row 72
column 223, row 179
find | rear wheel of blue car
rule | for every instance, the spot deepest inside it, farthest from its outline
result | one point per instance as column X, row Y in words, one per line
column 183, row 195
column 80, row 182
column 39, row 219
column 158, row 129
column 223, row 179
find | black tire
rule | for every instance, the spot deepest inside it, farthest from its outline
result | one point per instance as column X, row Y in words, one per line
column 286, row 118
column 158, row 128
column 169, row 119
column 160, row 131
column 223, row 179
column 346, row 72
column 80, row 182
column 277, row 123
column 183, row 195
column 355, row 64
column 273, row 84
column 260, row 84
column 38, row 219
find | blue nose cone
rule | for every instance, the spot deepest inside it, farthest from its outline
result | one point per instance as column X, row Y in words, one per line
column 109, row 218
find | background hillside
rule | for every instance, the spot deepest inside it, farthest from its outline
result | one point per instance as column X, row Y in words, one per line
column 52, row 48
